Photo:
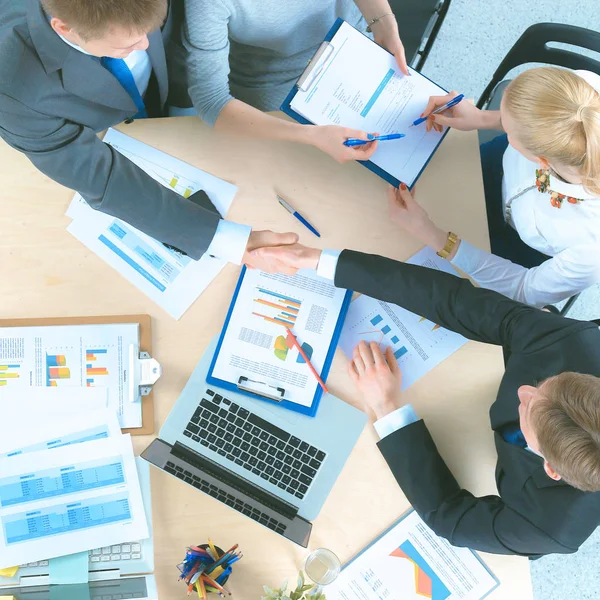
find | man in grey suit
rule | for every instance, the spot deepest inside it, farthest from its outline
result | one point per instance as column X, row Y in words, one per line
column 72, row 68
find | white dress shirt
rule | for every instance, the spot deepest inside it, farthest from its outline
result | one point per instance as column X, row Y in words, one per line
column 230, row 239
column 570, row 235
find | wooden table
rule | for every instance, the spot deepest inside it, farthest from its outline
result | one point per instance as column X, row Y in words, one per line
column 47, row 272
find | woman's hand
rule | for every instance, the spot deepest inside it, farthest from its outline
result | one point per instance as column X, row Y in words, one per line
column 406, row 212
column 385, row 33
column 331, row 138
column 465, row 116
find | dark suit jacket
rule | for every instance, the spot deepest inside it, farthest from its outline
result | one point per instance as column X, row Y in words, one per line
column 53, row 101
column 532, row 514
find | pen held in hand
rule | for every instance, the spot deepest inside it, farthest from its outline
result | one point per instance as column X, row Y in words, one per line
column 351, row 142
column 442, row 108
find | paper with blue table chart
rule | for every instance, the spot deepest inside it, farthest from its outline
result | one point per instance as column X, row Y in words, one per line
column 61, row 502
column 172, row 280
column 419, row 345
column 358, row 84
column 255, row 344
column 410, row 562
column 65, row 356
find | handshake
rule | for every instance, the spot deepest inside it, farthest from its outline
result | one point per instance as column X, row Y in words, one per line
column 279, row 253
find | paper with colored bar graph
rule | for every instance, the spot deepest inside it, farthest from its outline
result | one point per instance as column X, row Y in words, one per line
column 255, row 342
column 418, row 344
column 172, row 280
column 410, row 562
column 70, row 356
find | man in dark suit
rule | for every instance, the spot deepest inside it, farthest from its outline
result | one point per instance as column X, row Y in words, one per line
column 546, row 418
column 72, row 68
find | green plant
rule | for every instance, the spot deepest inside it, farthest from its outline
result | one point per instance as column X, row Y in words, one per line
column 303, row 591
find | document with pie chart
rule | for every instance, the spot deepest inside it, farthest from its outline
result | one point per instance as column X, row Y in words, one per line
column 410, row 562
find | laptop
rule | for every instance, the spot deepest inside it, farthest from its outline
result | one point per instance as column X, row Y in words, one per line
column 271, row 464
column 140, row 587
column 109, row 562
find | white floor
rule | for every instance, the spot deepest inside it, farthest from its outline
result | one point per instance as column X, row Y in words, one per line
column 473, row 40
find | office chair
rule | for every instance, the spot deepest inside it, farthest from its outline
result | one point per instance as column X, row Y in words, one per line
column 419, row 22
column 532, row 47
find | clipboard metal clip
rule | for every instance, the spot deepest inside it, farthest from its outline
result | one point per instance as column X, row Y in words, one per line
column 144, row 372
column 260, row 388
column 315, row 66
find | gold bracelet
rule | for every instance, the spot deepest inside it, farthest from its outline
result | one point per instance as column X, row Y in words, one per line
column 376, row 19
column 450, row 243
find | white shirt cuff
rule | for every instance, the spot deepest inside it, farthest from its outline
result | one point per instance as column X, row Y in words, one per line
column 401, row 417
column 328, row 263
column 230, row 241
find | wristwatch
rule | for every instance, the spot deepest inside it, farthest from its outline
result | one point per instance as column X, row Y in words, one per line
column 450, row 243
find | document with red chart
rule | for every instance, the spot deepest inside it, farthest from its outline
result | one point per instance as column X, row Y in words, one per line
column 255, row 343
column 410, row 562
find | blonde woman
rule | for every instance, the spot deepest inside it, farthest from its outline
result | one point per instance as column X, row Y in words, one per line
column 542, row 185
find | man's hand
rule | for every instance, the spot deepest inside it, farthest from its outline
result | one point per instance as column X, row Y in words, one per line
column 378, row 378
column 385, row 33
column 292, row 257
column 261, row 240
column 331, row 138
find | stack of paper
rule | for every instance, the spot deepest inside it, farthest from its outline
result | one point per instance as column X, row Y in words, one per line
column 170, row 279
column 57, row 499
column 63, row 357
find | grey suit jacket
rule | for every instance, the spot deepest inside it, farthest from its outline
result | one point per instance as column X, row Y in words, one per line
column 53, row 101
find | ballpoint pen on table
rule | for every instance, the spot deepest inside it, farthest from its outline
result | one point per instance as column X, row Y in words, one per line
column 376, row 138
column 298, row 216
column 293, row 339
column 442, row 108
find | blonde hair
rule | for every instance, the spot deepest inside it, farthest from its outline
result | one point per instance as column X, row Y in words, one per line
column 566, row 421
column 558, row 113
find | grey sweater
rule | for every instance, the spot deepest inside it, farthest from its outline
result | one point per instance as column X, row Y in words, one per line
column 253, row 50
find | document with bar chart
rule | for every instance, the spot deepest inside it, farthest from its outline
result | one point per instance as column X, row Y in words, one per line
column 418, row 344
column 255, row 344
column 172, row 280
column 73, row 356
column 410, row 562
column 62, row 502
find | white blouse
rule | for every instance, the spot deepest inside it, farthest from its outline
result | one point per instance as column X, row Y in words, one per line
column 569, row 235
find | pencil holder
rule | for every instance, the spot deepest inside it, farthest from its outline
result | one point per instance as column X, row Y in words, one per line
column 207, row 568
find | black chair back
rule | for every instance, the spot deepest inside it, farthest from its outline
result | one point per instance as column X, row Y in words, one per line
column 532, row 47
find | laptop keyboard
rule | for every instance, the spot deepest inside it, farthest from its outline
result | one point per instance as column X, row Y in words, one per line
column 226, row 498
column 131, row 551
column 255, row 444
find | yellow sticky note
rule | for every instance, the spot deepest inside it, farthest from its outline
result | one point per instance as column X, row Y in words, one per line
column 8, row 572
column 7, row 598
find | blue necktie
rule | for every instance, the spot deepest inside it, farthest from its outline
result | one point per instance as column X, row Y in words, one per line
column 513, row 435
column 118, row 67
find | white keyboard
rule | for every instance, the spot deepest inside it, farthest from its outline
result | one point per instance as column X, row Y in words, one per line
column 131, row 551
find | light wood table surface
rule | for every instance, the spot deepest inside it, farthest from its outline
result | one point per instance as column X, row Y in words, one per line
column 47, row 272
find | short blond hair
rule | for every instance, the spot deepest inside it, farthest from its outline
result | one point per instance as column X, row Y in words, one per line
column 558, row 113
column 91, row 19
column 566, row 421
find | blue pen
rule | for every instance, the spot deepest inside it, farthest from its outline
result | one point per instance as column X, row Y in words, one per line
column 376, row 138
column 446, row 106
column 298, row 216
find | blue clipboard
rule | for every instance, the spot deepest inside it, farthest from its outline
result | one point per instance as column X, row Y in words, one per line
column 311, row 410
column 286, row 107
column 393, row 525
